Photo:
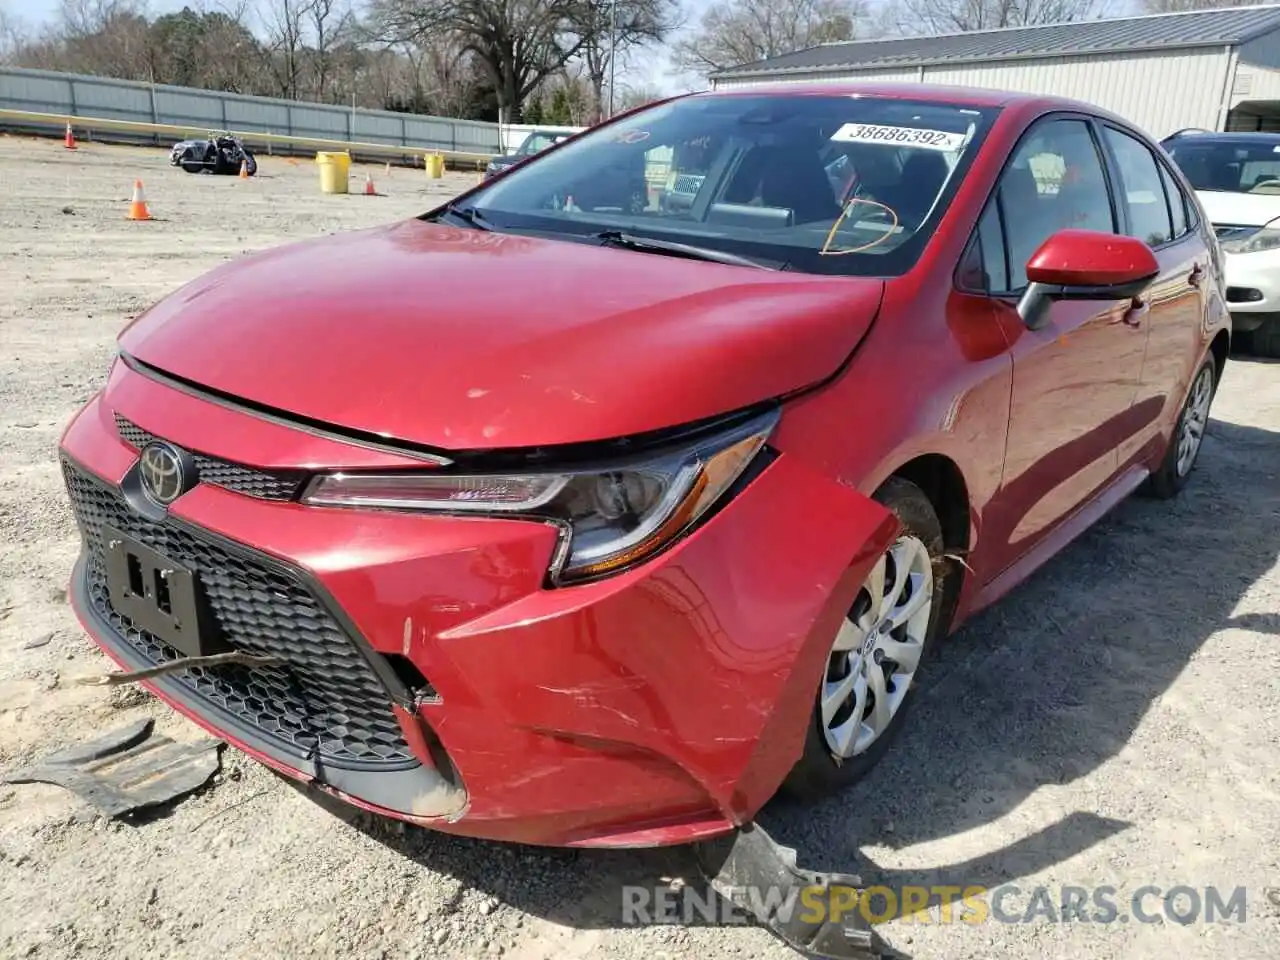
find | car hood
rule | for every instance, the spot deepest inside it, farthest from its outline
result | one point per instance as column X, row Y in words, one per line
column 1239, row 209
column 467, row 339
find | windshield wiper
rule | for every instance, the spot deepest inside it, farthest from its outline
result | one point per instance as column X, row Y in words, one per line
column 469, row 215
column 617, row 238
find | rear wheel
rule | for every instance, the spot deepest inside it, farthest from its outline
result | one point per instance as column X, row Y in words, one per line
column 876, row 655
column 1188, row 434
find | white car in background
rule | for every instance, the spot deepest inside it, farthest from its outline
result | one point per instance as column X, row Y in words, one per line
column 1237, row 179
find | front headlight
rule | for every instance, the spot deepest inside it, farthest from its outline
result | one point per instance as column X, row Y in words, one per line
column 613, row 515
column 1268, row 238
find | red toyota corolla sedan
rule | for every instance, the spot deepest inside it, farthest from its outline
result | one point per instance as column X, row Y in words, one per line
column 639, row 482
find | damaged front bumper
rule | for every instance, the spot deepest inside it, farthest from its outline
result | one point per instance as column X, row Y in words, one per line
column 815, row 913
column 443, row 683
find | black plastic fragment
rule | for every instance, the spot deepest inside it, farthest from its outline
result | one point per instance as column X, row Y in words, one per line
column 749, row 859
column 127, row 769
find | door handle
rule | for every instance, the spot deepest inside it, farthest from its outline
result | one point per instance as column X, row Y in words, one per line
column 1196, row 275
column 1136, row 313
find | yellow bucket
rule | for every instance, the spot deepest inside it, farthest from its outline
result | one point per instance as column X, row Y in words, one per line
column 334, row 168
column 435, row 165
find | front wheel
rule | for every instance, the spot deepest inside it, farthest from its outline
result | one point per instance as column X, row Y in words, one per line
column 876, row 655
column 1264, row 340
column 250, row 164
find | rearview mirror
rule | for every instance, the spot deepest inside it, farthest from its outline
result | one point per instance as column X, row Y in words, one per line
column 1084, row 265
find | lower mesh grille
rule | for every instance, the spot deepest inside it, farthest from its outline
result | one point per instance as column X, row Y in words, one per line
column 326, row 697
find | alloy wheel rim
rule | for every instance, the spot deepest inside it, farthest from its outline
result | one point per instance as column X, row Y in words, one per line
column 1195, row 419
column 877, row 651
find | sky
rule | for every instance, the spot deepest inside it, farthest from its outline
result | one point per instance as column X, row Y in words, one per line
column 36, row 12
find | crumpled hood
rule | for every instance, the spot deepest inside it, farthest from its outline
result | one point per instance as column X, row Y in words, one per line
column 464, row 339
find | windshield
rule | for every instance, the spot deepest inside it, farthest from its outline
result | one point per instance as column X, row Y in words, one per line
column 819, row 184
column 1229, row 166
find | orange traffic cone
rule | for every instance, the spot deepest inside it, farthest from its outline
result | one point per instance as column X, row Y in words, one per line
column 244, row 169
column 368, row 186
column 70, row 141
column 138, row 205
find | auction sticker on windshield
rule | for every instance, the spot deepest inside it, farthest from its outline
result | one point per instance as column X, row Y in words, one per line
column 903, row 136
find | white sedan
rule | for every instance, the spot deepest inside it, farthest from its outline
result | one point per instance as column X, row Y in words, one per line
column 1237, row 179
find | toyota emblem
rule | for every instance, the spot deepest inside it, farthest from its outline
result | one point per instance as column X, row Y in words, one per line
column 164, row 477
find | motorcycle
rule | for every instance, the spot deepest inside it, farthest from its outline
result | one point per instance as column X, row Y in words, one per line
column 219, row 153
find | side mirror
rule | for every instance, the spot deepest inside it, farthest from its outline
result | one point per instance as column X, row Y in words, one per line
column 1084, row 265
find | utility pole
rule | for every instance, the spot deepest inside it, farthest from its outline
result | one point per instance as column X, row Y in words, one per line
column 613, row 47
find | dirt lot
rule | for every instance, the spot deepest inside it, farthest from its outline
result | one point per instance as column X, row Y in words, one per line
column 1115, row 722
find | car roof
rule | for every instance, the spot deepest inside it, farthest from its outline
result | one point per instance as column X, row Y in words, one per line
column 1235, row 136
column 930, row 92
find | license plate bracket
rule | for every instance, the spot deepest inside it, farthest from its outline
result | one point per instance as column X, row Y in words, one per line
column 159, row 596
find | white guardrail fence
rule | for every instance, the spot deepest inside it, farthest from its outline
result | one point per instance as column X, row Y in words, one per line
column 100, row 108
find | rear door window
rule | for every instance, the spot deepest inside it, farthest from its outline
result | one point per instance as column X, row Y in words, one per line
column 1177, row 202
column 1143, row 191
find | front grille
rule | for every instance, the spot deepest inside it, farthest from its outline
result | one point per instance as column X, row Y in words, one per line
column 326, row 695
column 277, row 485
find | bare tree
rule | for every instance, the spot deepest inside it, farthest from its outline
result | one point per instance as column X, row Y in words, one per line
column 309, row 50
column 229, row 53
column 633, row 97
column 611, row 29
column 13, row 36
column 106, row 37
column 447, row 76
column 329, row 21
column 734, row 32
column 518, row 43
column 282, row 24
column 1176, row 6
column 915, row 17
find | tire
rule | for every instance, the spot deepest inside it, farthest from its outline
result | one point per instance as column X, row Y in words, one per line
column 192, row 165
column 818, row 772
column 1264, row 340
column 1174, row 471
column 250, row 163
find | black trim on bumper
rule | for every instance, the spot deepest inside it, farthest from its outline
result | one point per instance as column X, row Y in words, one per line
column 409, row 791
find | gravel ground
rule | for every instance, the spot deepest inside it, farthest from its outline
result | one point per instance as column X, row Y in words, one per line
column 1114, row 722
